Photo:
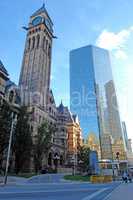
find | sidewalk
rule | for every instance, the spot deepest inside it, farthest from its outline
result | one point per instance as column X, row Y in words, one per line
column 123, row 192
column 13, row 180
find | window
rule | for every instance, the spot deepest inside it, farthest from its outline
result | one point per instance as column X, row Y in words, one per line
column 44, row 40
column 49, row 51
column 40, row 119
column 46, row 45
column 11, row 96
column 38, row 40
column 33, row 42
column 31, row 128
column 29, row 43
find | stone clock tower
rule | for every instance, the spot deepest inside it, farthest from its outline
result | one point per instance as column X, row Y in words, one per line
column 36, row 67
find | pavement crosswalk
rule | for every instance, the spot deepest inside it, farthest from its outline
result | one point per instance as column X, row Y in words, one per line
column 123, row 192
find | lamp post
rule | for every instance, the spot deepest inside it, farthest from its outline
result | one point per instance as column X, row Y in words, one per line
column 111, row 143
column 14, row 119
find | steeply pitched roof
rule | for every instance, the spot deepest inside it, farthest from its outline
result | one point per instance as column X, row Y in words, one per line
column 40, row 11
column 3, row 69
column 61, row 108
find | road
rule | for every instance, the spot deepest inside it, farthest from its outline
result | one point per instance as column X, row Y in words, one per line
column 56, row 191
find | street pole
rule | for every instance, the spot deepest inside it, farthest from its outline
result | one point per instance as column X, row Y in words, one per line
column 9, row 147
column 111, row 143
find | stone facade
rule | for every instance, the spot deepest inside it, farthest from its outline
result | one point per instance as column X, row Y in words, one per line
column 35, row 73
column 34, row 84
column 34, row 92
column 36, row 66
column 9, row 91
column 74, row 138
column 3, row 79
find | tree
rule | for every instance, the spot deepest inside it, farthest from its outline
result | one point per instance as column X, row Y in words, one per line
column 5, row 126
column 83, row 158
column 22, row 143
column 42, row 144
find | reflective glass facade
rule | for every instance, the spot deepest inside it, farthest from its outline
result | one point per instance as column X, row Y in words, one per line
column 93, row 98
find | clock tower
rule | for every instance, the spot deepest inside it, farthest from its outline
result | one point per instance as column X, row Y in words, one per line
column 36, row 66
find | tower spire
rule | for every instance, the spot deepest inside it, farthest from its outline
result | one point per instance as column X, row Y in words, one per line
column 44, row 3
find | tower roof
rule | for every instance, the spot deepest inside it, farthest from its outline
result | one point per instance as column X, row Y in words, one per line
column 40, row 11
column 3, row 69
column 61, row 107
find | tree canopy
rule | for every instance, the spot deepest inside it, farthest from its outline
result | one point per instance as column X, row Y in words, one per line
column 83, row 158
column 22, row 143
column 42, row 143
column 5, row 126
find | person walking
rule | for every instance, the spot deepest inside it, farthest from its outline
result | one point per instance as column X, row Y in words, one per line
column 130, row 177
column 125, row 177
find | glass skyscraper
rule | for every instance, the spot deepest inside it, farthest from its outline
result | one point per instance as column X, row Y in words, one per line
column 93, row 99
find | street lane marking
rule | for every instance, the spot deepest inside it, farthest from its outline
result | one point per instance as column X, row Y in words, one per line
column 94, row 194
column 47, row 191
column 114, row 189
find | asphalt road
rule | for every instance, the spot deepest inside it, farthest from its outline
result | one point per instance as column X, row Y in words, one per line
column 56, row 191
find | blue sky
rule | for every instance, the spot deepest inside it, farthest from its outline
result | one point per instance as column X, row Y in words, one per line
column 107, row 23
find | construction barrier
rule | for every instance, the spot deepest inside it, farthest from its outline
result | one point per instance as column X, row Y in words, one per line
column 101, row 179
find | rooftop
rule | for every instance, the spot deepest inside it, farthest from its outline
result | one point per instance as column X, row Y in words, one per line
column 3, row 69
column 40, row 11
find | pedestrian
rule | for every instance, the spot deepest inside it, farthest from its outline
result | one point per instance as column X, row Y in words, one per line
column 130, row 177
column 125, row 177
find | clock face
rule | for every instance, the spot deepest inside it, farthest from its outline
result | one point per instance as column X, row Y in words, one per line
column 37, row 20
column 48, row 24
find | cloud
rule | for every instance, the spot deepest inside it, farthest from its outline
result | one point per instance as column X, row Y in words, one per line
column 115, row 42
column 120, row 54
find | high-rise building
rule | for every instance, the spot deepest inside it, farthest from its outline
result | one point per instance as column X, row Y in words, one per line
column 93, row 98
column 125, row 135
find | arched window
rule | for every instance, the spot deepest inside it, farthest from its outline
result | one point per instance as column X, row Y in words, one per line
column 44, row 43
column 11, row 96
column 29, row 43
column 33, row 42
column 49, row 51
column 38, row 40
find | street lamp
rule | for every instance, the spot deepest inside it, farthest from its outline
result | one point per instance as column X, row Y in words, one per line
column 111, row 143
column 13, row 119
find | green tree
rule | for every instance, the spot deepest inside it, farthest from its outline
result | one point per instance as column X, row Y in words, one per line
column 42, row 144
column 5, row 126
column 22, row 143
column 83, row 158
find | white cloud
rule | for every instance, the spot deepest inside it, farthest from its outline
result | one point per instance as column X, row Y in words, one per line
column 119, row 54
column 115, row 41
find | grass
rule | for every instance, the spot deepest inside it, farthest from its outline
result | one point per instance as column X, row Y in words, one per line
column 77, row 178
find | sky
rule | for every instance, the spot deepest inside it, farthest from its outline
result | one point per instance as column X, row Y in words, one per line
column 105, row 23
